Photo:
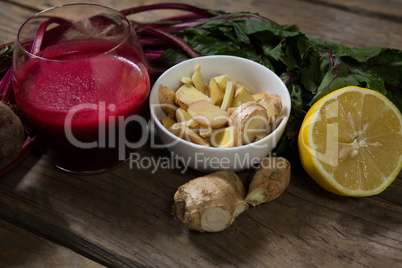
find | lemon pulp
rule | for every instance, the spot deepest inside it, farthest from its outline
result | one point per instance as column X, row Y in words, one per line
column 350, row 142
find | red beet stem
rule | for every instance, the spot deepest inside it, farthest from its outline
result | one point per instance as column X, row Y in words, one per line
column 171, row 39
column 157, row 34
column 178, row 6
column 40, row 34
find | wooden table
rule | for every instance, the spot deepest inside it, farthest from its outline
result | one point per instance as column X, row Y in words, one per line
column 49, row 218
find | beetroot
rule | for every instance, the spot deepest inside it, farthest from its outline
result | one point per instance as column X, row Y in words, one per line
column 12, row 136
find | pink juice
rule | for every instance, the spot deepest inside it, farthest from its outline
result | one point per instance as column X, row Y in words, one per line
column 75, row 99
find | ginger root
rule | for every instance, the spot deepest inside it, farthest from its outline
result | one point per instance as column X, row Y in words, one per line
column 207, row 114
column 167, row 121
column 210, row 203
column 270, row 180
column 273, row 105
column 258, row 96
column 183, row 116
column 225, row 138
column 197, row 79
column 214, row 91
column 229, row 94
column 242, row 95
column 213, row 110
column 167, row 100
column 187, row 94
column 251, row 119
column 183, row 131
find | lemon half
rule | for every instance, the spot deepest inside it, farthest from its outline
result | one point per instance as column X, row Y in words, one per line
column 350, row 142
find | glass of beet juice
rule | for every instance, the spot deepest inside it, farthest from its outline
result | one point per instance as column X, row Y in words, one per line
column 81, row 84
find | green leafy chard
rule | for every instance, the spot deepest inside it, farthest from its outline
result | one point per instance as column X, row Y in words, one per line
column 380, row 66
column 6, row 54
column 310, row 68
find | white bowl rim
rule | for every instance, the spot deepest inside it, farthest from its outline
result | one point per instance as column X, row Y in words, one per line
column 250, row 145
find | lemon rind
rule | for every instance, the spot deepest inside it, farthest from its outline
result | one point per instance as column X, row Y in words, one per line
column 315, row 168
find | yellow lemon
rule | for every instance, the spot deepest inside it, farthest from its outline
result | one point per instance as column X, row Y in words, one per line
column 350, row 142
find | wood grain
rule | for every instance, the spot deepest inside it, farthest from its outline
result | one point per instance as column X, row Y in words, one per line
column 350, row 23
column 386, row 10
column 122, row 218
column 21, row 248
column 12, row 17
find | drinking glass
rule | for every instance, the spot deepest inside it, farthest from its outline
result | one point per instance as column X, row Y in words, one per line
column 81, row 84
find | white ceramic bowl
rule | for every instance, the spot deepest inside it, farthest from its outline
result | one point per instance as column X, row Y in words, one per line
column 208, row 159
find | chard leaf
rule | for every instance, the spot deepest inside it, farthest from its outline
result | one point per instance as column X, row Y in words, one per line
column 382, row 63
column 171, row 57
column 310, row 68
column 340, row 75
column 359, row 54
column 6, row 56
column 6, row 53
column 207, row 45
column 296, row 95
